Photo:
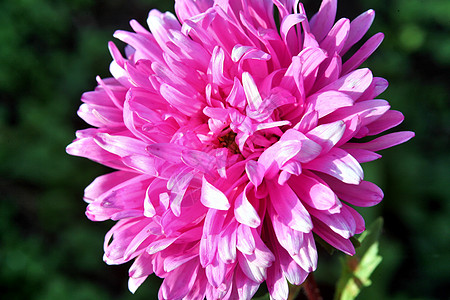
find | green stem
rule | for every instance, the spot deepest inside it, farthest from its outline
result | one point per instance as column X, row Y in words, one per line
column 294, row 290
column 310, row 288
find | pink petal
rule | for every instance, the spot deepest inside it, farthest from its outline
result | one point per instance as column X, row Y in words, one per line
column 237, row 95
column 166, row 151
column 363, row 53
column 245, row 240
column 383, row 142
column 186, row 9
column 148, row 48
column 359, row 220
column 227, row 244
column 255, row 172
column 179, row 282
column 251, row 91
column 310, row 58
column 362, row 155
column 276, row 283
column 332, row 238
column 287, row 205
column 186, row 104
column 217, row 68
column 287, row 23
column 335, row 39
column 212, row 197
column 313, row 191
column 353, row 84
column 327, row 135
column 322, row 21
column 135, row 283
column 368, row 111
column 291, row 240
column 378, row 86
column 174, row 261
column 200, row 160
column 387, row 121
column 142, row 266
column 215, row 272
column 253, row 272
column 358, row 28
column 120, row 145
column 244, row 211
column 296, row 141
column 307, row 258
column 87, row 147
column 327, row 102
column 339, row 164
column 341, row 223
column 293, row 272
column 246, row 288
column 105, row 183
column 364, row 194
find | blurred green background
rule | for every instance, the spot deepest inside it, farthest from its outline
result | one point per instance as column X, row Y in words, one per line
column 51, row 51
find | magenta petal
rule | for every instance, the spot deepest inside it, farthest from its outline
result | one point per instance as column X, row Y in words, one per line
column 244, row 211
column 364, row 194
column 341, row 223
column 212, row 197
column 327, row 102
column 313, row 191
column 251, row 91
column 293, row 272
column 87, row 147
column 178, row 283
column 276, row 283
column 186, row 104
column 291, row 240
column 215, row 272
column 230, row 136
column 362, row 155
column 135, row 283
column 332, row 238
column 246, row 288
column 142, row 266
column 363, row 53
column 173, row 262
column 327, row 135
column 227, row 244
column 337, row 36
column 255, row 273
column 359, row 220
column 339, row 164
column 245, row 240
column 255, row 172
column 290, row 209
column 387, row 121
column 288, row 22
column 168, row 152
column 383, row 142
column 322, row 22
column 105, row 183
column 358, row 28
column 308, row 253
column 353, row 84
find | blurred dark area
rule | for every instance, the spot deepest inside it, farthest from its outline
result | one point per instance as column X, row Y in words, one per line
column 50, row 53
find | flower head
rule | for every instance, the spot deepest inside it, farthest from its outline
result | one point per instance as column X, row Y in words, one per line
column 234, row 141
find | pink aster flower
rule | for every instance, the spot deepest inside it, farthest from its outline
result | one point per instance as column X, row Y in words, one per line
column 234, row 141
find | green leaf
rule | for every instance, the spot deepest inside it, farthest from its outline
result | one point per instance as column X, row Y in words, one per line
column 357, row 269
column 265, row 297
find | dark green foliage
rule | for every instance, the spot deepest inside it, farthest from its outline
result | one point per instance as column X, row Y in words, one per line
column 51, row 51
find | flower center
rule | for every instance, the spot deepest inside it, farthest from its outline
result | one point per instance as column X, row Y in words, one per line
column 228, row 141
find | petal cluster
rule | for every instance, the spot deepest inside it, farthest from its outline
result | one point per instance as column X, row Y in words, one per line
column 234, row 140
